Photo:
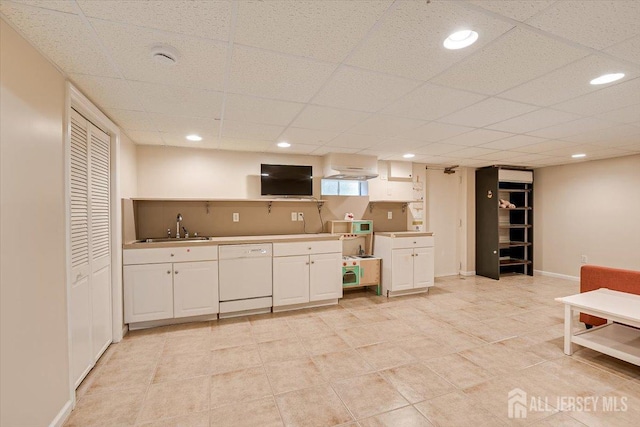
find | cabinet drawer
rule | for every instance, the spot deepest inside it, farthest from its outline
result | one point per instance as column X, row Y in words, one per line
column 176, row 254
column 412, row 242
column 304, row 248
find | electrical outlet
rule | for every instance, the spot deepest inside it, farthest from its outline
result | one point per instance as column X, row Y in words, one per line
column 294, row 216
column 236, row 217
column 583, row 259
column 389, row 215
column 300, row 216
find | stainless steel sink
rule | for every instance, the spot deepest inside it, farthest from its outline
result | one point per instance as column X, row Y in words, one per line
column 173, row 239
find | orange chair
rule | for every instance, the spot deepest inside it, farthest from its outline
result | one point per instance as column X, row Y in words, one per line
column 593, row 277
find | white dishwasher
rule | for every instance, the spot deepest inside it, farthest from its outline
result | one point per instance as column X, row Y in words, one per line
column 245, row 278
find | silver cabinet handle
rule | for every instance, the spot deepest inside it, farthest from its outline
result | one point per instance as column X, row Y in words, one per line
column 414, row 243
column 168, row 271
column 313, row 262
column 176, row 272
column 309, row 248
column 172, row 255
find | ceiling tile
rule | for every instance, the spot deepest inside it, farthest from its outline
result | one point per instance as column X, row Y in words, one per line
column 436, row 149
column 487, row 112
column 131, row 120
column 535, row 120
column 528, row 159
column 512, row 142
column 251, row 131
column 208, row 19
column 409, row 40
column 64, row 38
column 398, row 145
column 145, row 138
column 362, row 90
column 326, row 149
column 518, row 10
column 498, row 156
column 566, row 152
column 472, row 152
column 385, row 125
column 609, row 153
column 200, row 62
column 596, row 24
column 350, row 140
column 574, row 127
column 259, row 110
column 515, row 58
column 278, row 76
column 438, row 161
column 612, row 136
column 434, row 131
column 236, row 144
column 108, row 92
column 630, row 114
column 307, row 136
column 607, row 99
column 567, row 82
column 185, row 125
column 178, row 100
column 65, row 6
column 322, row 30
column 545, row 146
column 294, row 149
column 329, row 119
column 477, row 137
column 430, row 102
column 628, row 49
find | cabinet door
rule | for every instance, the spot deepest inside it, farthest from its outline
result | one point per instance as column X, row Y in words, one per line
column 325, row 277
column 370, row 272
column 290, row 280
column 79, row 323
column 148, row 292
column 423, row 264
column 195, row 288
column 401, row 269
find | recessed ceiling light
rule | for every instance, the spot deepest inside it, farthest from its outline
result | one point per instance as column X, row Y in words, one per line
column 284, row 144
column 578, row 156
column 460, row 39
column 607, row 78
column 194, row 137
column 408, row 155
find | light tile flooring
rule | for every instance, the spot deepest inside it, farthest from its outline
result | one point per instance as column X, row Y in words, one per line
column 448, row 358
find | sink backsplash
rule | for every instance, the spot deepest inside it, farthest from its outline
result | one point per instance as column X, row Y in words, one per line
column 153, row 217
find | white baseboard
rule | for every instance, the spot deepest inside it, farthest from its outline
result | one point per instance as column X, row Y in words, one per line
column 125, row 331
column 557, row 275
column 62, row 416
column 467, row 273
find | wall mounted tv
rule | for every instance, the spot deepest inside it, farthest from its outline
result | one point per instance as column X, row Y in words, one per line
column 286, row 180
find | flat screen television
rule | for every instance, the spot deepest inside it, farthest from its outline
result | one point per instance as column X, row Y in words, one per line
column 286, row 180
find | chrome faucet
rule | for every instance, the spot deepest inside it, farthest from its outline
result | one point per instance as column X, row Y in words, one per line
column 178, row 220
column 360, row 250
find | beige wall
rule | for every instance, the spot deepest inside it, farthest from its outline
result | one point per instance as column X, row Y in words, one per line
column 33, row 339
column 588, row 208
column 128, row 167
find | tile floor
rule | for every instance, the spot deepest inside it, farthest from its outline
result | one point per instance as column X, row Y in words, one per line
column 447, row 358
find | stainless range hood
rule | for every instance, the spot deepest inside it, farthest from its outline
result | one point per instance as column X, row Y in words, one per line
column 350, row 167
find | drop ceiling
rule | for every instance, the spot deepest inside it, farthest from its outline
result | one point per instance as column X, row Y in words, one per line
column 368, row 77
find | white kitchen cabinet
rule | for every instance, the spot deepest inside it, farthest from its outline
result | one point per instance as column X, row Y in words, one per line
column 325, row 277
column 290, row 280
column 407, row 261
column 302, row 279
column 148, row 292
column 156, row 289
column 195, row 288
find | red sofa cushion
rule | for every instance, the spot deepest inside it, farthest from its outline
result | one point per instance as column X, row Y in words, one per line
column 594, row 277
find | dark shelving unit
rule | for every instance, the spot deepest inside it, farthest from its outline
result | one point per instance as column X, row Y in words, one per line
column 504, row 236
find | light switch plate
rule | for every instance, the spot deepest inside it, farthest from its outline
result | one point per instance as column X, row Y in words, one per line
column 294, row 216
column 389, row 215
column 236, row 217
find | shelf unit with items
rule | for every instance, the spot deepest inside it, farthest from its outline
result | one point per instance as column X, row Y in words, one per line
column 504, row 221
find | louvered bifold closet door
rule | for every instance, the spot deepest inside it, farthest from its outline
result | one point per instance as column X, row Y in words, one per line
column 100, row 241
column 80, row 292
column 90, row 240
